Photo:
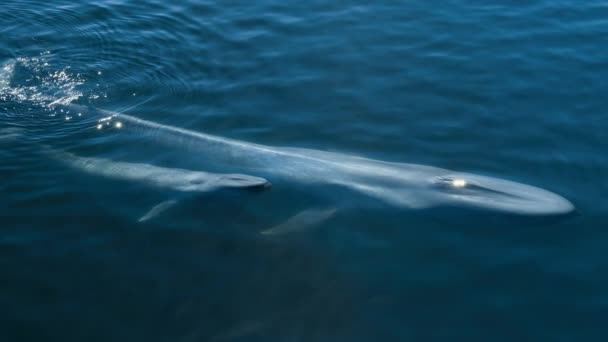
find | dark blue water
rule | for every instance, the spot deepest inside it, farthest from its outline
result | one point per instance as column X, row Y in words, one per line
column 511, row 89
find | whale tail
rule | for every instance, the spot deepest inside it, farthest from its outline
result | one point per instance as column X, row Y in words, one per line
column 7, row 69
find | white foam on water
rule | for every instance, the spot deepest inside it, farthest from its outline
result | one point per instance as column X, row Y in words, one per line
column 45, row 85
column 6, row 74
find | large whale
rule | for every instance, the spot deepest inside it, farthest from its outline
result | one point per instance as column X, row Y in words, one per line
column 395, row 184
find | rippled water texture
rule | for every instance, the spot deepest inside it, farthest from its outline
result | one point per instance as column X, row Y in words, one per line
column 513, row 90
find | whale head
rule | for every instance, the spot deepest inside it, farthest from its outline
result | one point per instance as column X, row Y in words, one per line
column 235, row 180
column 482, row 192
column 203, row 181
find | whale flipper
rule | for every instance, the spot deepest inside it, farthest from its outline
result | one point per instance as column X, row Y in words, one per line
column 157, row 210
column 301, row 221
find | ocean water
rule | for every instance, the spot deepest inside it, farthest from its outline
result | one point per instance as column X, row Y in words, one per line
column 516, row 90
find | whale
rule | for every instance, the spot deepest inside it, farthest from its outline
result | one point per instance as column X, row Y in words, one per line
column 395, row 184
column 178, row 181
column 175, row 179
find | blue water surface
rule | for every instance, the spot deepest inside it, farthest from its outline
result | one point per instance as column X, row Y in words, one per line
column 512, row 89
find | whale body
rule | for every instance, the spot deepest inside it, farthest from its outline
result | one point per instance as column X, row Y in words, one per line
column 396, row 184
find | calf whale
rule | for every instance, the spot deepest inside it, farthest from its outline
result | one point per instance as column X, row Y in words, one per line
column 173, row 179
column 391, row 183
column 167, row 178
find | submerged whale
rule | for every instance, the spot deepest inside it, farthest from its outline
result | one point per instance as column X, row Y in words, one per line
column 396, row 184
column 162, row 177
column 180, row 180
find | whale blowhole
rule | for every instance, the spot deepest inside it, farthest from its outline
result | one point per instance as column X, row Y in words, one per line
column 459, row 183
